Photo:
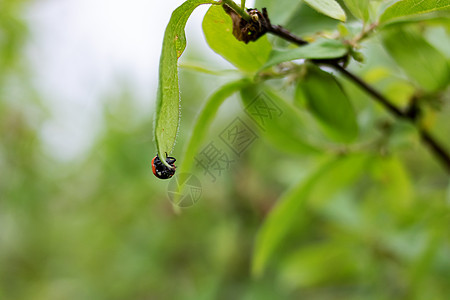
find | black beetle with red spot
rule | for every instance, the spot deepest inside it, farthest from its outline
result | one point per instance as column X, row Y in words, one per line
column 161, row 170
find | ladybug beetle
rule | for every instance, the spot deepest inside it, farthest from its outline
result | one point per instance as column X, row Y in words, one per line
column 161, row 170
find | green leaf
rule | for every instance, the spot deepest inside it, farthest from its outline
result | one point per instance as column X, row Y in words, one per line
column 322, row 48
column 329, row 8
column 310, row 265
column 393, row 185
column 327, row 101
column 277, row 9
column 280, row 122
column 204, row 120
column 291, row 206
column 359, row 8
column 306, row 21
column 167, row 103
column 421, row 61
column 407, row 8
column 218, row 28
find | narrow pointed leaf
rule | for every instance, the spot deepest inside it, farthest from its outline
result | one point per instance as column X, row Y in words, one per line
column 168, row 97
column 329, row 8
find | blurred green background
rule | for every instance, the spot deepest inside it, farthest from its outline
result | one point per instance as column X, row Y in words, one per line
column 100, row 226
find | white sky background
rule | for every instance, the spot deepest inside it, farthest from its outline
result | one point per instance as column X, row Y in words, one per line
column 81, row 49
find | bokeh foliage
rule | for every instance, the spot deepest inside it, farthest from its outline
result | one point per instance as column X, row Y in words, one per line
column 365, row 220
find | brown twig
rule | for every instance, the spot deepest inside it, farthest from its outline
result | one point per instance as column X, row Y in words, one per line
column 437, row 149
column 281, row 31
column 369, row 89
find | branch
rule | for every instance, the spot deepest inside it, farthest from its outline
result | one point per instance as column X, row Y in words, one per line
column 369, row 89
column 280, row 31
column 262, row 24
column 434, row 146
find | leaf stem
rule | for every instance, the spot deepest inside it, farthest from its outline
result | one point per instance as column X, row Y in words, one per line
column 243, row 4
column 239, row 10
column 363, row 34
